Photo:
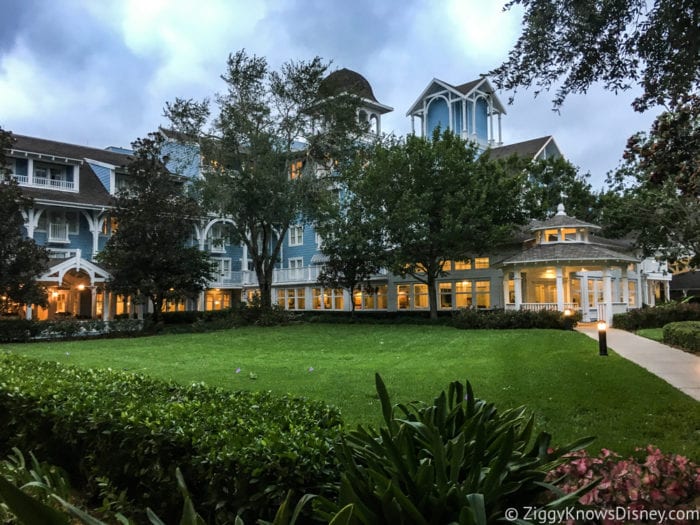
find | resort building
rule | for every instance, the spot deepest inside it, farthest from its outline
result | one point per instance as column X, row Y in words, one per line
column 557, row 264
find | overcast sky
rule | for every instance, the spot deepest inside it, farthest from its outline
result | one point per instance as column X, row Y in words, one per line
column 98, row 72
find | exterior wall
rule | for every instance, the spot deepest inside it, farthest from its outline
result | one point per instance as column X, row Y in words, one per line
column 104, row 174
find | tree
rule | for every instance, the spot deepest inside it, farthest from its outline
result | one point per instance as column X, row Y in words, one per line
column 438, row 200
column 618, row 42
column 274, row 133
column 658, row 187
column 553, row 181
column 148, row 255
column 21, row 259
column 353, row 244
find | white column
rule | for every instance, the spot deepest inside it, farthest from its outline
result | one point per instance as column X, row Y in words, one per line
column 585, row 304
column 413, row 125
column 464, row 117
column 474, row 116
column 560, row 288
column 202, row 301
column 607, row 295
column 424, row 129
column 506, row 281
column 93, row 306
column 640, row 290
column 667, row 290
column 450, row 115
column 500, row 136
column 518, row 285
column 28, row 313
column 105, row 305
column 491, row 122
column 624, row 282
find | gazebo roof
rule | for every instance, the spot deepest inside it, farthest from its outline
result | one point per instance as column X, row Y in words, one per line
column 563, row 252
column 561, row 220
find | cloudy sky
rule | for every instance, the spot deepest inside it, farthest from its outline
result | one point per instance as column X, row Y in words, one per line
column 98, row 72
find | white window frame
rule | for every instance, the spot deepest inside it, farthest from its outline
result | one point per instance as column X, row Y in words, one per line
column 296, row 235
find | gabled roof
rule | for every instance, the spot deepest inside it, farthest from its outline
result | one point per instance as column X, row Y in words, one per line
column 462, row 91
column 91, row 193
column 530, row 149
column 689, row 280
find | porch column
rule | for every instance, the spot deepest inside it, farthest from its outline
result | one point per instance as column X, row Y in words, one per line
column 624, row 282
column 106, row 299
column 93, row 305
column 505, row 289
column 667, row 290
column 28, row 313
column 607, row 294
column 560, row 288
column 651, row 292
column 518, row 286
column 202, row 301
column 413, row 125
column 585, row 305
column 640, row 290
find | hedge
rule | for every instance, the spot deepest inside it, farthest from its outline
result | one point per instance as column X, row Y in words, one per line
column 685, row 334
column 22, row 330
column 657, row 316
column 237, row 450
column 505, row 319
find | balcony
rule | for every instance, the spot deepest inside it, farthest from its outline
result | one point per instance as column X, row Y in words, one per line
column 307, row 274
column 58, row 233
column 44, row 182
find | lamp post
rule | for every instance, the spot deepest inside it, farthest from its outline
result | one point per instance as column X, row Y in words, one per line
column 568, row 321
column 602, row 338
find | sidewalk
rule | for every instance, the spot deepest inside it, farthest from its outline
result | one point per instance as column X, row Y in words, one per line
column 680, row 369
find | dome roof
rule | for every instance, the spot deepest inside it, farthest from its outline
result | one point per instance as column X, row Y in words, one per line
column 347, row 81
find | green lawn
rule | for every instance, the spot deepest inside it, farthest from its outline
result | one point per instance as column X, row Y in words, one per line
column 559, row 375
column 657, row 334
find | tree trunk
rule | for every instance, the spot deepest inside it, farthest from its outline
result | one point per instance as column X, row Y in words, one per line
column 157, row 301
column 352, row 301
column 265, row 285
column 432, row 296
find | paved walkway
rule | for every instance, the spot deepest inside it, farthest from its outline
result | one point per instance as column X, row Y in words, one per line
column 680, row 369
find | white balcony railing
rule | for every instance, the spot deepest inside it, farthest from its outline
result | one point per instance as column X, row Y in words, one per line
column 58, row 233
column 307, row 274
column 44, row 182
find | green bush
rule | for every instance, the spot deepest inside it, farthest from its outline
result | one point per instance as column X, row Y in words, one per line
column 685, row 334
column 657, row 316
column 238, row 450
column 23, row 330
column 505, row 319
column 458, row 460
column 373, row 317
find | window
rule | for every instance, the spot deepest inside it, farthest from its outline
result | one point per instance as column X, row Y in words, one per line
column 402, row 296
column 463, row 294
column 218, row 299
column 483, row 294
column 296, row 262
column 632, row 287
column 296, row 235
column 217, row 238
column 570, row 234
column 481, row 262
column 53, row 176
column 319, row 241
column 292, row 298
column 295, row 169
column 420, row 296
column 382, row 302
column 463, row 265
column 222, row 269
column 445, row 295
column 551, row 235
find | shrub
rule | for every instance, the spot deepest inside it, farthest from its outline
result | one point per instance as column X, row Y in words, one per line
column 503, row 319
column 654, row 481
column 685, row 335
column 456, row 461
column 373, row 317
column 23, row 330
column 240, row 450
column 657, row 316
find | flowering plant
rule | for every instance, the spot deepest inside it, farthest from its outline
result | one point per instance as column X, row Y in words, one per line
column 654, row 481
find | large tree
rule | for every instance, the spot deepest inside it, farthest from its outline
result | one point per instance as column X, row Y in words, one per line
column 553, row 181
column 620, row 43
column 21, row 259
column 353, row 244
column 273, row 134
column 148, row 255
column 657, row 189
column 437, row 200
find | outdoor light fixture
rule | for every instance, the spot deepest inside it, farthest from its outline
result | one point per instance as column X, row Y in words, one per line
column 81, row 287
column 602, row 338
column 54, row 294
column 568, row 321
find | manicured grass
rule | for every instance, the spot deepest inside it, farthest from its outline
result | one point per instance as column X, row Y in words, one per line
column 657, row 334
column 557, row 374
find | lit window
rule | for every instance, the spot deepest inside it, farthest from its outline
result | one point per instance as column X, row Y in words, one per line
column 463, row 265
column 570, row 234
column 483, row 294
column 295, row 169
column 402, row 296
column 296, row 235
column 551, row 235
column 420, row 296
column 481, row 263
column 463, row 294
column 446, row 296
